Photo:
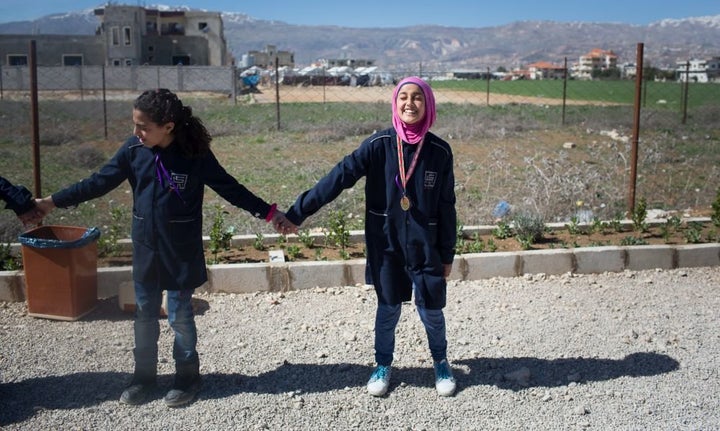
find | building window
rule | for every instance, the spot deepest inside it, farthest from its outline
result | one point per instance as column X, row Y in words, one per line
column 128, row 62
column 17, row 60
column 72, row 60
column 115, row 35
column 127, row 36
column 116, row 62
column 180, row 60
column 203, row 27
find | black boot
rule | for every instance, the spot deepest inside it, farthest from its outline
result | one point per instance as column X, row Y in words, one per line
column 187, row 384
column 143, row 382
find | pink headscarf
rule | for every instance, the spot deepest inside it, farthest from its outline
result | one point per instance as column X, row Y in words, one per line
column 414, row 133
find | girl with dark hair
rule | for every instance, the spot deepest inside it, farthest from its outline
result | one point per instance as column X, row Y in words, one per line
column 168, row 163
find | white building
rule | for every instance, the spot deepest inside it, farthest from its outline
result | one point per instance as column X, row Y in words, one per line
column 699, row 70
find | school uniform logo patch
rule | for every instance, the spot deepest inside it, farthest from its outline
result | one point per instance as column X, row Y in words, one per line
column 180, row 180
column 430, row 178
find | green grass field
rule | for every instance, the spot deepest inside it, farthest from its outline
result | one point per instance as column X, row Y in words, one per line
column 659, row 94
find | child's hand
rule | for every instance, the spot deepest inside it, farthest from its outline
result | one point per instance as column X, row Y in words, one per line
column 282, row 224
column 31, row 218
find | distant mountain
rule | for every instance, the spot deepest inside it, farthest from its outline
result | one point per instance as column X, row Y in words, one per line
column 443, row 48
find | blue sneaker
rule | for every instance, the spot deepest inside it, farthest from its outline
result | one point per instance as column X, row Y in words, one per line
column 379, row 381
column 444, row 380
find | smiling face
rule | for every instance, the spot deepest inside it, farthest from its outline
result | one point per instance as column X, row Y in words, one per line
column 410, row 104
column 151, row 134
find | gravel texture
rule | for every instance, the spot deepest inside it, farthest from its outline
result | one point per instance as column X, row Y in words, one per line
column 620, row 351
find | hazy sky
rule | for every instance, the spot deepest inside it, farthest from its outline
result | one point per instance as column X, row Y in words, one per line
column 384, row 13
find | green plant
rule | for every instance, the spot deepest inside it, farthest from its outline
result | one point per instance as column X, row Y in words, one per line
column 525, row 241
column 599, row 226
column 665, row 231
column 338, row 233
column 693, row 234
column 712, row 236
column 638, row 216
column 616, row 224
column 573, row 227
column 107, row 244
column 633, row 240
column 8, row 262
column 220, row 237
column 529, row 226
column 293, row 252
column 259, row 242
column 491, row 246
column 675, row 222
column 305, row 238
column 502, row 230
column 477, row 245
column 715, row 216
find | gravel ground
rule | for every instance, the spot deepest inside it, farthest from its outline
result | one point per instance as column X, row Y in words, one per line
column 620, row 351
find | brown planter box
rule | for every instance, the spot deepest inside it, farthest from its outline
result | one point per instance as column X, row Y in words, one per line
column 60, row 264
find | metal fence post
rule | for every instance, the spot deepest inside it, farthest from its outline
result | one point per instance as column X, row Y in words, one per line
column 277, row 92
column 564, row 94
column 34, row 117
column 636, row 130
column 685, row 90
column 104, row 99
column 487, row 92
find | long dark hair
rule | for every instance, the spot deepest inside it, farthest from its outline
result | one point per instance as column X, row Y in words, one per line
column 163, row 106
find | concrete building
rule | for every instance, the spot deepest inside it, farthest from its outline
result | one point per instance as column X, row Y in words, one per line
column 545, row 70
column 699, row 70
column 596, row 59
column 129, row 36
column 265, row 59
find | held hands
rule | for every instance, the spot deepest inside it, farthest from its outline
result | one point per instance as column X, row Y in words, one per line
column 31, row 217
column 282, row 224
column 44, row 206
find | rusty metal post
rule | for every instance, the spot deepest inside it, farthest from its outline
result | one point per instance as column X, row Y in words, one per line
column 564, row 95
column 277, row 92
column 686, row 89
column 34, row 119
column 636, row 130
column 104, row 99
column 487, row 90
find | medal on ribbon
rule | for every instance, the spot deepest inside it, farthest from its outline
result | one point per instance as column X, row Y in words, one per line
column 402, row 178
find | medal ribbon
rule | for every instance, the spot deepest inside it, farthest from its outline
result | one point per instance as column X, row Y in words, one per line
column 161, row 173
column 401, row 165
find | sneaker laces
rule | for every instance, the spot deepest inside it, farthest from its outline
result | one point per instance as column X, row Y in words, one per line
column 380, row 372
column 442, row 370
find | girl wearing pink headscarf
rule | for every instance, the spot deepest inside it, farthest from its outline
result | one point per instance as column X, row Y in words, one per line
column 410, row 224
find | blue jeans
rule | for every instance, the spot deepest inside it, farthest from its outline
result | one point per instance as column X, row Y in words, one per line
column 386, row 319
column 148, row 300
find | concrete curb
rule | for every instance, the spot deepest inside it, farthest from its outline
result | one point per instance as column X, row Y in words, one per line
column 286, row 276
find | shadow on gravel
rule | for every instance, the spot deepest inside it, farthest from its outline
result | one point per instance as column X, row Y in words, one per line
column 21, row 400
column 521, row 373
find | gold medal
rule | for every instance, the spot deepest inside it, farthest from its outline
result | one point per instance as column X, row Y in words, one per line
column 402, row 178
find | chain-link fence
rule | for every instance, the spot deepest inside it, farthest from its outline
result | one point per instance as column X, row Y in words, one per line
column 513, row 137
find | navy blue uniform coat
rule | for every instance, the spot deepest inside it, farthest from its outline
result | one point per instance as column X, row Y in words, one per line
column 403, row 247
column 166, row 227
